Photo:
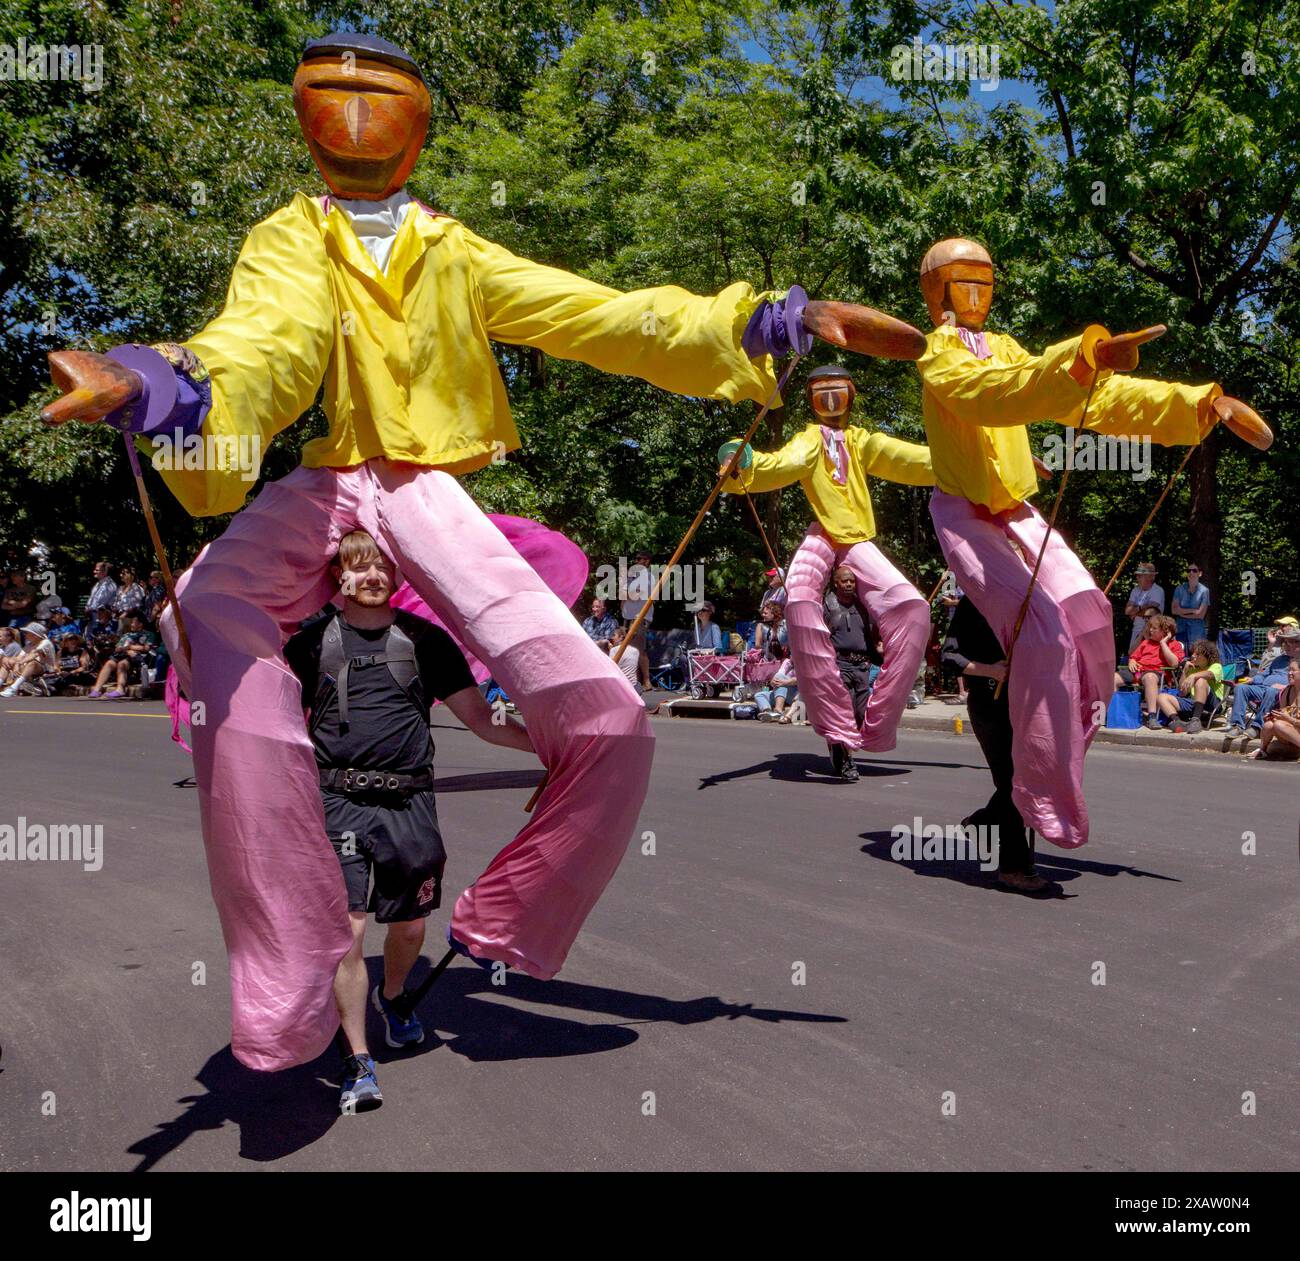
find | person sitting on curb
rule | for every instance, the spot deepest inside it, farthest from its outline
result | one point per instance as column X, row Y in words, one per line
column 101, row 635
column 1279, row 738
column 75, row 666
column 133, row 645
column 774, row 699
column 1155, row 655
column 1263, row 688
column 1201, row 691
column 25, row 673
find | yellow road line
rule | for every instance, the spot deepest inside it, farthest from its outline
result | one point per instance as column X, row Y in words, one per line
column 95, row 713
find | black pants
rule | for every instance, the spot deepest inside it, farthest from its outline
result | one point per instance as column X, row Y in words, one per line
column 856, row 678
column 990, row 720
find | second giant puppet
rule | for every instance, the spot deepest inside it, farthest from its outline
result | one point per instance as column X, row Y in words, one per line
column 832, row 460
column 390, row 307
column 980, row 390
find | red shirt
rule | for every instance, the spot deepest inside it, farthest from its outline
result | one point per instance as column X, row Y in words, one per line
column 1146, row 655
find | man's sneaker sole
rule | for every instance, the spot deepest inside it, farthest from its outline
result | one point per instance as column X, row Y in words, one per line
column 353, row 1101
column 369, row 1102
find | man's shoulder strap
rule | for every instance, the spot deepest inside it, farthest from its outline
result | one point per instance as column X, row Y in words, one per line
column 406, row 631
column 398, row 655
column 331, row 643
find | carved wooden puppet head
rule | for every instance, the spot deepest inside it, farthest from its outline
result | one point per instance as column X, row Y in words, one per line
column 957, row 276
column 364, row 110
column 831, row 392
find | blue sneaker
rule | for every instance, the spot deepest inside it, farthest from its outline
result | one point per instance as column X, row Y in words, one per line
column 361, row 1091
column 401, row 1028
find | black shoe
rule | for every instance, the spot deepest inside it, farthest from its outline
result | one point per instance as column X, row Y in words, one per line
column 1194, row 728
column 842, row 764
column 1023, row 881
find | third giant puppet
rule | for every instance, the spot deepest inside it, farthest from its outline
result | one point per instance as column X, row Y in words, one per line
column 832, row 461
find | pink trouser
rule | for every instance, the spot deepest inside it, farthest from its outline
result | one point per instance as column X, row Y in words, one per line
column 902, row 616
column 1063, row 667
column 276, row 881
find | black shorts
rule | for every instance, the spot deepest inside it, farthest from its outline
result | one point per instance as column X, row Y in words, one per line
column 397, row 840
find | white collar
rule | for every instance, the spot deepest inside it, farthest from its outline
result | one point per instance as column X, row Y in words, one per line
column 376, row 222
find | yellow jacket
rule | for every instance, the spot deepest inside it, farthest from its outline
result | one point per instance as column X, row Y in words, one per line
column 404, row 357
column 843, row 510
column 976, row 411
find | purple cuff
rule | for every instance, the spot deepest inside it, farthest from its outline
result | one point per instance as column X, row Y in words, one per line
column 168, row 400
column 776, row 328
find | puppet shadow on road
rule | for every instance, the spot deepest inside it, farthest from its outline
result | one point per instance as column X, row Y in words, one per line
column 798, row 768
column 1051, row 863
column 281, row 1113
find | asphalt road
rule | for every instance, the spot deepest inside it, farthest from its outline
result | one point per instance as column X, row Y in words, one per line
column 926, row 990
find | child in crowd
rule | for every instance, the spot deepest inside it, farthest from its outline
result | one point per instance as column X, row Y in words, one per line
column 133, row 648
column 1152, row 661
column 101, row 635
column 74, row 664
column 1201, row 691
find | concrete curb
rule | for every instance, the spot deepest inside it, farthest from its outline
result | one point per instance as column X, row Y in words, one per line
column 938, row 716
column 1163, row 741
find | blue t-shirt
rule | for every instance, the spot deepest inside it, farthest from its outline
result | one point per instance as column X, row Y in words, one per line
column 709, row 636
column 1200, row 600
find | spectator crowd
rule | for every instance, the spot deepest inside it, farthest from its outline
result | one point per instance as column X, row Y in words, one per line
column 109, row 643
column 1173, row 671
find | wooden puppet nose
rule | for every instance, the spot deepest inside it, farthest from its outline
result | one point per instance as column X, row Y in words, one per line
column 356, row 113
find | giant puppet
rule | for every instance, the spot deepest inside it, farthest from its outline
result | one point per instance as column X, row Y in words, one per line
column 390, row 306
column 832, row 461
column 980, row 390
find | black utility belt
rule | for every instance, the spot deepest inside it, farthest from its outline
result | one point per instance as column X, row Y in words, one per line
column 855, row 658
column 353, row 780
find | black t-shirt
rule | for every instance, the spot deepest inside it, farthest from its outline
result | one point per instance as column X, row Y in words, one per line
column 971, row 638
column 386, row 731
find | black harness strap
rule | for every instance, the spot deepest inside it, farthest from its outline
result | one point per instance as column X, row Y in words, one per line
column 400, row 660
